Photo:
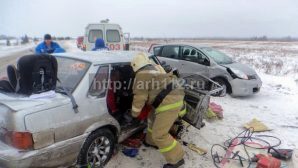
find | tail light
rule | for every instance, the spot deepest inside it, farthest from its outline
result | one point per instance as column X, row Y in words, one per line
column 19, row 140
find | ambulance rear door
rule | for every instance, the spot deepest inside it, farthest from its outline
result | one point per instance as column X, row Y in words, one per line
column 114, row 37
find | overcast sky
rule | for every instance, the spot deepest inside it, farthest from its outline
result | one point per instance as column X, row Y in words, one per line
column 152, row 18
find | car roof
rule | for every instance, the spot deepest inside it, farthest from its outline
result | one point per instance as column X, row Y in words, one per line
column 181, row 44
column 100, row 24
column 101, row 57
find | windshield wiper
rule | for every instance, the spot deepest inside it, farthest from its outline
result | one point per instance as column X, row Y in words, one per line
column 67, row 92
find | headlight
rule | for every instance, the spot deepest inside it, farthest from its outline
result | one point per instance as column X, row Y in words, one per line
column 239, row 73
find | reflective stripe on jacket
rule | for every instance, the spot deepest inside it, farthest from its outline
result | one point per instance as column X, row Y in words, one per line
column 148, row 83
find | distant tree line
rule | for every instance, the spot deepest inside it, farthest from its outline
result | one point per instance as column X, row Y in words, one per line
column 26, row 39
column 62, row 38
column 5, row 37
column 256, row 38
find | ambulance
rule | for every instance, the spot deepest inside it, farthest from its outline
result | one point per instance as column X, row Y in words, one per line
column 111, row 33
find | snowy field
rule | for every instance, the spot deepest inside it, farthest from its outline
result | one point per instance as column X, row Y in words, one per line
column 276, row 104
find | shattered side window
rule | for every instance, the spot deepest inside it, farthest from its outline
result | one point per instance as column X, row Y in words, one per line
column 217, row 56
column 100, row 82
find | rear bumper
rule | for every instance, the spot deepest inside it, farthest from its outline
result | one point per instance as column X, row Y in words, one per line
column 241, row 87
column 62, row 153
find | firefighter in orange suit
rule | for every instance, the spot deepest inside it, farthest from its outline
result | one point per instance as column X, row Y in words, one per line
column 152, row 86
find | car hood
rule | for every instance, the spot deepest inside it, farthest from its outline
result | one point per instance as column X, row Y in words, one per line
column 17, row 103
column 244, row 68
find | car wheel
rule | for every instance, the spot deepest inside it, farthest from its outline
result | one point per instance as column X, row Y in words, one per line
column 223, row 84
column 97, row 149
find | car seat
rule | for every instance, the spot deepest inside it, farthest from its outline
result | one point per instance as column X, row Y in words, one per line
column 193, row 52
column 37, row 74
column 6, row 87
column 10, row 85
column 13, row 77
column 111, row 96
column 186, row 53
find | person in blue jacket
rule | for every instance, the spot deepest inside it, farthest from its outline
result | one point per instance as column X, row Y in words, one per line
column 100, row 45
column 48, row 46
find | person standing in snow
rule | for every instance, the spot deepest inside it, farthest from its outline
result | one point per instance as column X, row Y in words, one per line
column 100, row 45
column 48, row 46
column 167, row 104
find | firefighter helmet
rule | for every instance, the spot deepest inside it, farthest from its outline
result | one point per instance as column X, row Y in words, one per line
column 139, row 61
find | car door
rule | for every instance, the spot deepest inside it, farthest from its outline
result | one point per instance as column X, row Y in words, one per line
column 95, row 103
column 113, row 38
column 90, row 97
column 197, row 93
column 170, row 54
column 192, row 61
column 197, row 98
column 91, row 35
column 197, row 104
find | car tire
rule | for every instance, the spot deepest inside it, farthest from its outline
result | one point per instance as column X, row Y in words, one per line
column 224, row 85
column 97, row 149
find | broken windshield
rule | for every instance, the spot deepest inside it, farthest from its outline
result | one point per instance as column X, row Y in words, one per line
column 217, row 56
column 70, row 72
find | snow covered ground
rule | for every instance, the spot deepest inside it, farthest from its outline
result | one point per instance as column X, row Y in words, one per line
column 9, row 50
column 276, row 106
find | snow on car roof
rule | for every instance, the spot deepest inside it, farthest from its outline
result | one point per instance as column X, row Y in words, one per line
column 101, row 57
column 183, row 44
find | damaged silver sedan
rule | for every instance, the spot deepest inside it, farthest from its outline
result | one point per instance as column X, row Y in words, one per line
column 74, row 124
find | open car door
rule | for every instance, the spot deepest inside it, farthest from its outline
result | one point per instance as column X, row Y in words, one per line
column 197, row 98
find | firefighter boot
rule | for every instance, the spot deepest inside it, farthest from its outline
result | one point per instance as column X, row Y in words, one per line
column 180, row 163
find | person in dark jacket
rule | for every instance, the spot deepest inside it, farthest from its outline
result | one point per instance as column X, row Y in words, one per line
column 100, row 45
column 48, row 46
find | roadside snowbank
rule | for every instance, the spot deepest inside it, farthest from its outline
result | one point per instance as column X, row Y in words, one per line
column 10, row 50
